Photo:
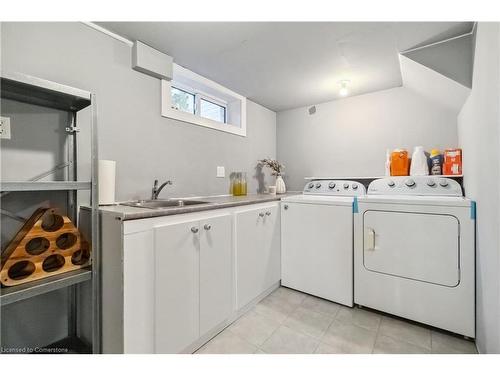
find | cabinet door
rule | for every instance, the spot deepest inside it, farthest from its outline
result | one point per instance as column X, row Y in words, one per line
column 176, row 286
column 215, row 272
column 257, row 252
column 249, row 274
column 271, row 247
column 138, row 296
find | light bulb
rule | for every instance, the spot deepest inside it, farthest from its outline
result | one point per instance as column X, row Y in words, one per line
column 343, row 88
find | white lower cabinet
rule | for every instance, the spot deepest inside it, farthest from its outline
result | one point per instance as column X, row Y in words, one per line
column 216, row 265
column 169, row 282
column 177, row 286
column 138, row 296
column 193, row 290
column 257, row 251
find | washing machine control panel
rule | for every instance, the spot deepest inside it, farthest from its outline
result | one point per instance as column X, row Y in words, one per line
column 416, row 185
column 335, row 187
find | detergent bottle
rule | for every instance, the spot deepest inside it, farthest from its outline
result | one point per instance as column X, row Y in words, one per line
column 419, row 166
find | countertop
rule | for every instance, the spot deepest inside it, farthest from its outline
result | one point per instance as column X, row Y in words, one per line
column 213, row 202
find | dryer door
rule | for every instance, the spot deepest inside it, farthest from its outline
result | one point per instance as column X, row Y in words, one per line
column 418, row 246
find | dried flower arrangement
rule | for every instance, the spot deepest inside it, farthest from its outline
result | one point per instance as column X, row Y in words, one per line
column 275, row 166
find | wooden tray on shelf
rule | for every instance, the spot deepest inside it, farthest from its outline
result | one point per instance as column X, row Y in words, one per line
column 48, row 244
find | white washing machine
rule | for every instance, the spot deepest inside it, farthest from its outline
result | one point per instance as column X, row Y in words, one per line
column 414, row 252
column 317, row 239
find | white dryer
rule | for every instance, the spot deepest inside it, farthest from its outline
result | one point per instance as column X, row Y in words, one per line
column 317, row 239
column 414, row 252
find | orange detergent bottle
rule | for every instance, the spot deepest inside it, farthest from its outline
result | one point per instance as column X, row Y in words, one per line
column 399, row 163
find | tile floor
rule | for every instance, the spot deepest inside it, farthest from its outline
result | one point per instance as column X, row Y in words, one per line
column 290, row 322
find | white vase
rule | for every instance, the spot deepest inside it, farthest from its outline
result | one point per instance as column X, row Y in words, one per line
column 280, row 185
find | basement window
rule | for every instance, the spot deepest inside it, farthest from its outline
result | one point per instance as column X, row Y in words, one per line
column 212, row 111
column 183, row 100
column 188, row 100
column 196, row 100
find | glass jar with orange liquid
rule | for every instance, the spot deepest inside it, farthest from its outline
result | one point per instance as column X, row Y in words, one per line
column 239, row 184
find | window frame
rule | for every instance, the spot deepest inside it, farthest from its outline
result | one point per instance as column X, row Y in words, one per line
column 187, row 91
column 209, row 99
column 198, row 97
column 218, row 95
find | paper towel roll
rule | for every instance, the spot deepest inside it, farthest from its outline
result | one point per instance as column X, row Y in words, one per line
column 107, row 172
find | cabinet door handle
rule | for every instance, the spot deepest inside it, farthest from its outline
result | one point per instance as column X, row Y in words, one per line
column 207, row 226
column 261, row 214
column 194, row 229
column 268, row 213
column 285, row 206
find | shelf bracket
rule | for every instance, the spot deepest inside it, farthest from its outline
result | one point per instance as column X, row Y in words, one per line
column 40, row 176
column 72, row 129
column 12, row 215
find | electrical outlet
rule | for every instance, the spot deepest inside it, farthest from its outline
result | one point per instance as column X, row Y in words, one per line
column 5, row 127
column 221, row 172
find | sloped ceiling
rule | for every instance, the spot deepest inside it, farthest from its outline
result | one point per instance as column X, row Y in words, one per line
column 433, row 85
column 453, row 58
column 284, row 65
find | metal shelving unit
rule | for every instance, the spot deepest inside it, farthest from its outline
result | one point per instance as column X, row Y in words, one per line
column 31, row 90
column 36, row 288
column 44, row 185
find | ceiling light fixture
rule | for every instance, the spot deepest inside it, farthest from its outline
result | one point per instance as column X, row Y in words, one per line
column 343, row 87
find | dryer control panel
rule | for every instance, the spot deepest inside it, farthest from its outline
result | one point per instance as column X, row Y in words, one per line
column 335, row 187
column 416, row 185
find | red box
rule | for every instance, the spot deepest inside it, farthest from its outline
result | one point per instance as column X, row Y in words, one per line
column 452, row 161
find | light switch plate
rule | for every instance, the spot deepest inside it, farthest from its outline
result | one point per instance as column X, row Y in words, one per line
column 5, row 127
column 221, row 172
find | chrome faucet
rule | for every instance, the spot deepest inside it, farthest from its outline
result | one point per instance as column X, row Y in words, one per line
column 156, row 190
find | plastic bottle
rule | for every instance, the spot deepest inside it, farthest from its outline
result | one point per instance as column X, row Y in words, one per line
column 388, row 162
column 419, row 166
column 399, row 162
column 436, row 162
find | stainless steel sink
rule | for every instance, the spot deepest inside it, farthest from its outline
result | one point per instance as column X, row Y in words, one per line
column 159, row 203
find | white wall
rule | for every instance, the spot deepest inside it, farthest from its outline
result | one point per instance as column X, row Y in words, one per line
column 478, row 129
column 131, row 131
column 349, row 137
column 131, row 128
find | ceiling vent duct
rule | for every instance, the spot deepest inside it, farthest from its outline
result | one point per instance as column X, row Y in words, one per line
column 150, row 61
